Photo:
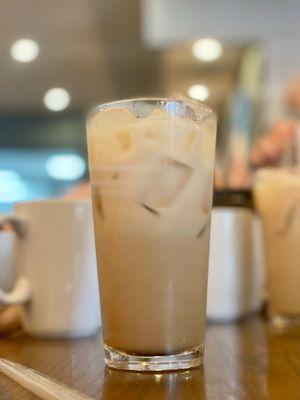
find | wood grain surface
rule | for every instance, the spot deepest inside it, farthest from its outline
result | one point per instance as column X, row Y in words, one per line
column 246, row 360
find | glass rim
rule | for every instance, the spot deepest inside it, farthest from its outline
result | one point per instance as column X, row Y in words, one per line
column 194, row 104
column 279, row 168
column 268, row 172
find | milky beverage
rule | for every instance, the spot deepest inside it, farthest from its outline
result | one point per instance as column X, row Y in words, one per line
column 277, row 195
column 151, row 181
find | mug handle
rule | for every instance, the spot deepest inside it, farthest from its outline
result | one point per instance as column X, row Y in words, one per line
column 18, row 224
column 21, row 292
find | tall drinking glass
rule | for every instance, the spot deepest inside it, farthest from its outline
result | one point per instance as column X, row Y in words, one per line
column 151, row 170
column 277, row 197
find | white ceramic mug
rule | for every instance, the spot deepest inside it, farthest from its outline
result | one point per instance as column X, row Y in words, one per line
column 56, row 263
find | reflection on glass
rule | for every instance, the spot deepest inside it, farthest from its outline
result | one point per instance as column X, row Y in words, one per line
column 188, row 385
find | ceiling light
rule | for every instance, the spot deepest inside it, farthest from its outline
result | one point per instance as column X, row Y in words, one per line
column 56, row 99
column 65, row 167
column 198, row 92
column 24, row 50
column 207, row 49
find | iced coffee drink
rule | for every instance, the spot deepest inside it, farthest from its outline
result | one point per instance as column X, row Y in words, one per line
column 277, row 196
column 151, row 171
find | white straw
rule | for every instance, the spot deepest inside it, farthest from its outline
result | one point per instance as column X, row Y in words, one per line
column 39, row 384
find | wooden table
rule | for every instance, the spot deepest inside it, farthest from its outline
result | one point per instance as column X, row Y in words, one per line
column 247, row 360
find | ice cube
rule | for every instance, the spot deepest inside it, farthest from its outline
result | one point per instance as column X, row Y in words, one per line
column 148, row 178
column 203, row 227
column 124, row 138
column 109, row 140
column 172, row 137
column 109, row 120
column 150, row 209
column 288, row 210
column 202, row 147
column 163, row 182
column 191, row 210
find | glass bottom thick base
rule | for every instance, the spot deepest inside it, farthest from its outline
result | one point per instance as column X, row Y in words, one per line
column 119, row 360
column 284, row 321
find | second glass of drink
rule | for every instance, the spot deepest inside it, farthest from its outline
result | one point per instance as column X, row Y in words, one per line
column 277, row 196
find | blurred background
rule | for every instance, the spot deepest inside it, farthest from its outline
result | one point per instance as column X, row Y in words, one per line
column 61, row 58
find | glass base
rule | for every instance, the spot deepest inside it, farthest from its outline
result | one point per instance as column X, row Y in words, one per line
column 284, row 321
column 119, row 360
